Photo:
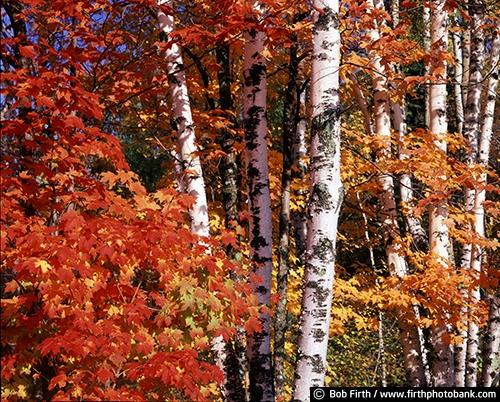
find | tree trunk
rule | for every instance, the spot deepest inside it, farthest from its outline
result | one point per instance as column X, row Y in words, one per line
column 228, row 167
column 398, row 114
column 191, row 175
column 183, row 123
column 396, row 262
column 492, row 338
column 457, row 86
column 289, row 132
column 466, row 63
column 231, row 359
column 460, row 349
column 426, row 15
column 326, row 195
column 299, row 151
column 381, row 350
column 395, row 13
column 381, row 343
column 412, row 224
column 473, row 105
column 259, row 204
column 363, row 106
column 492, row 341
column 442, row 365
column 472, row 133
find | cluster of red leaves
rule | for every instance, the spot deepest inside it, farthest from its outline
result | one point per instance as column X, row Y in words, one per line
column 106, row 295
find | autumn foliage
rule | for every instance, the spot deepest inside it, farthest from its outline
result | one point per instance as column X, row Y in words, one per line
column 106, row 292
column 107, row 295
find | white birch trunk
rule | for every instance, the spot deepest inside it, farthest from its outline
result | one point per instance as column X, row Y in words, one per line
column 442, row 365
column 413, row 225
column 381, row 350
column 398, row 114
column 464, row 364
column 259, row 204
column 363, row 106
column 472, row 106
column 299, row 145
column 465, row 63
column 395, row 13
column 459, row 72
column 326, row 195
column 299, row 152
column 396, row 261
column 461, row 348
column 183, row 121
column 472, row 203
column 492, row 338
column 427, row 47
column 492, row 341
column 188, row 166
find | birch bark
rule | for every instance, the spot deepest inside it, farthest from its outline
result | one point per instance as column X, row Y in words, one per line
column 299, row 152
column 289, row 131
column 492, row 342
column 396, row 261
column 190, row 171
column 325, row 200
column 471, row 257
column 492, row 338
column 259, row 204
column 413, row 225
column 442, row 365
column 232, row 358
column 192, row 178
column 457, row 86
column 426, row 15
column 460, row 349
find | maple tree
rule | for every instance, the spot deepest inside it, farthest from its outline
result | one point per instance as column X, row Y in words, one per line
column 238, row 199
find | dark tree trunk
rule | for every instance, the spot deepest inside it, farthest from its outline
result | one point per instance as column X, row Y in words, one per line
column 289, row 129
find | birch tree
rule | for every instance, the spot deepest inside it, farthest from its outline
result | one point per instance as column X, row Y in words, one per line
column 426, row 16
column 396, row 261
column 458, row 72
column 471, row 258
column 232, row 357
column 191, row 173
column 259, row 204
column 465, row 353
column 442, row 365
column 326, row 195
column 182, row 119
column 492, row 336
column 299, row 221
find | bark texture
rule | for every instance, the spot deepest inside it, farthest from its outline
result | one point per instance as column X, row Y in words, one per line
column 396, row 262
column 259, row 204
column 492, row 342
column 442, row 364
column 426, row 16
column 472, row 204
column 182, row 120
column 299, row 220
column 326, row 195
column 413, row 225
column 289, row 131
column 231, row 360
column 459, row 72
column 492, row 336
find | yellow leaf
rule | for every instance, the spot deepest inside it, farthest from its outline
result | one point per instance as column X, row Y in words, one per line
column 44, row 266
column 113, row 310
column 21, row 391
